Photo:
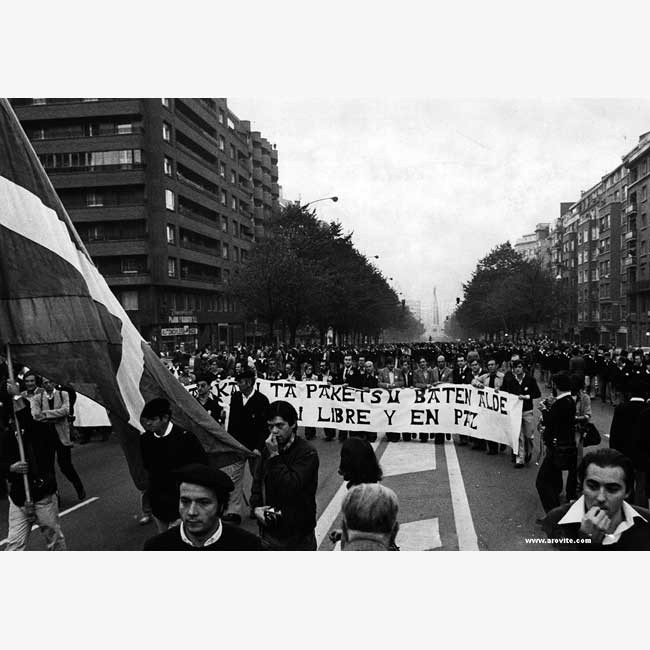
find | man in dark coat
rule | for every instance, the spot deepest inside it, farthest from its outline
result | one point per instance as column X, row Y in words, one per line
column 367, row 381
column 629, row 434
column 349, row 376
column 39, row 446
column 247, row 424
column 165, row 447
column 561, row 450
column 284, row 488
column 203, row 497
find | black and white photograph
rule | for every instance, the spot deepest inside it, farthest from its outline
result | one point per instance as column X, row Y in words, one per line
column 382, row 285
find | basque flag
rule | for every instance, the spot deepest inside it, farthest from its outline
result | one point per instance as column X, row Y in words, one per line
column 63, row 321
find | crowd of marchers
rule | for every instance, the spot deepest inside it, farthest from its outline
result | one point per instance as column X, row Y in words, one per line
column 198, row 507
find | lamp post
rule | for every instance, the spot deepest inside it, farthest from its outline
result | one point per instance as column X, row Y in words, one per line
column 334, row 199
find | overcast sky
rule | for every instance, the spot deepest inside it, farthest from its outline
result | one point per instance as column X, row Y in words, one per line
column 432, row 185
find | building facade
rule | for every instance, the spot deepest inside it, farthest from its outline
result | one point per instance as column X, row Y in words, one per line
column 636, row 261
column 169, row 196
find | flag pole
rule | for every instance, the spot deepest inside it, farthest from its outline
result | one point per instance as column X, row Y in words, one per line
column 29, row 506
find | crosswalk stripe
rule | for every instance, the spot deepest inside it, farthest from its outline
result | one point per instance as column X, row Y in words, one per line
column 423, row 535
column 409, row 457
column 467, row 540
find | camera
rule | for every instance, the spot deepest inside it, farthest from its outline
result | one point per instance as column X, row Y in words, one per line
column 272, row 517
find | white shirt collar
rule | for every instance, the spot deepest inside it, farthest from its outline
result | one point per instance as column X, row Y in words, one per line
column 576, row 512
column 561, row 395
column 245, row 398
column 208, row 542
column 637, row 399
column 168, row 430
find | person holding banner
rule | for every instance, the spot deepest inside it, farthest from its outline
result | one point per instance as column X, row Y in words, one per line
column 461, row 375
column 349, row 376
column 40, row 448
column 389, row 378
column 524, row 385
column 367, row 381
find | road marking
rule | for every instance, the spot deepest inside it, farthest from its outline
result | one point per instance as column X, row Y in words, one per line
column 422, row 535
column 407, row 458
column 467, row 540
column 333, row 509
column 61, row 514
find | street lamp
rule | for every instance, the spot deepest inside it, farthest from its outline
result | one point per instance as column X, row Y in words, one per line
column 327, row 198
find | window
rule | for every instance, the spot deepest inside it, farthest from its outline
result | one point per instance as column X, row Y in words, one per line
column 166, row 132
column 171, row 234
column 129, row 300
column 124, row 129
column 224, row 224
column 130, row 265
column 224, row 198
column 235, row 252
column 233, row 177
column 94, row 199
column 167, row 166
column 221, row 117
column 235, row 228
column 222, row 170
column 231, row 124
column 171, row 267
column 224, row 252
column 233, row 153
column 222, row 143
column 233, row 202
column 169, row 199
column 165, row 102
column 644, row 193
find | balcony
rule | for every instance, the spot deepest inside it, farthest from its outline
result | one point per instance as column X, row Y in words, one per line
column 257, row 174
column 631, row 208
column 258, row 194
column 630, row 261
column 630, row 236
column 274, row 156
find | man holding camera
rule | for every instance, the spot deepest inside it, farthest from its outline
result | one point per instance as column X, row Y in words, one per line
column 284, row 489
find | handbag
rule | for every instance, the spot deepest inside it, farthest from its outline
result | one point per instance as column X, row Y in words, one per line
column 592, row 436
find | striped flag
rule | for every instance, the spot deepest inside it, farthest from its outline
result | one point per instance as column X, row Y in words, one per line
column 61, row 318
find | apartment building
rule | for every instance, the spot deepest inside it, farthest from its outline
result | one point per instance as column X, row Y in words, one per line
column 169, row 196
column 636, row 261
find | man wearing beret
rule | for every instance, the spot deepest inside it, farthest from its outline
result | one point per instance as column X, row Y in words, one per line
column 165, row 447
column 203, row 497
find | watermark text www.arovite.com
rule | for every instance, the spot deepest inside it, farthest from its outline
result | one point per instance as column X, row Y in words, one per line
column 557, row 540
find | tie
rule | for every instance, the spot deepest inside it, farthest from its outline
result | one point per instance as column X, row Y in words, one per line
column 492, row 378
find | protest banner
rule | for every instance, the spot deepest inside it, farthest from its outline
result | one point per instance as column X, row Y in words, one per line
column 447, row 408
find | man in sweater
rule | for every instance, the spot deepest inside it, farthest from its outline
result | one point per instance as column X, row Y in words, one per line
column 203, row 497
column 246, row 424
column 165, row 448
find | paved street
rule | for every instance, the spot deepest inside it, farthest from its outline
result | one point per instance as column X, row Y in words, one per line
column 451, row 498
